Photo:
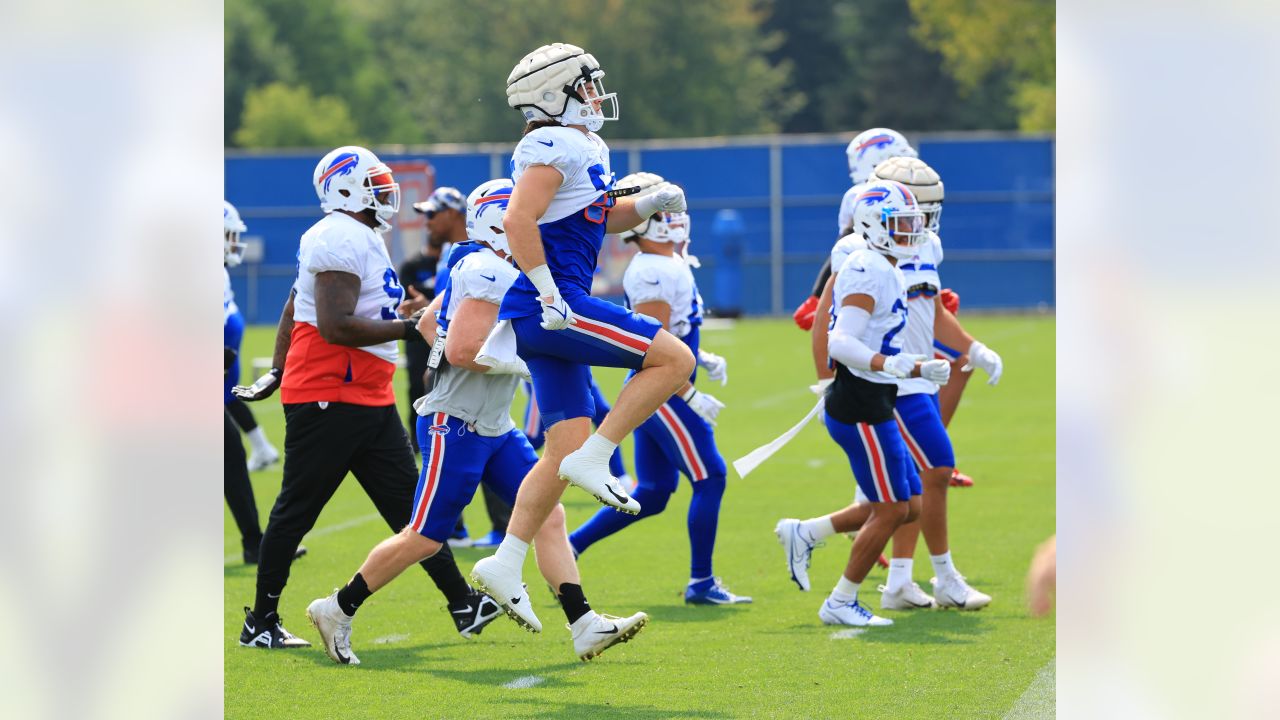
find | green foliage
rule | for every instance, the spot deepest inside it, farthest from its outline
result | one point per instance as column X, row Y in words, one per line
column 278, row 115
column 771, row 659
column 981, row 37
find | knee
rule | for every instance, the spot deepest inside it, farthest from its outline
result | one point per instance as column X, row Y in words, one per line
column 668, row 352
column 913, row 512
column 555, row 522
column 564, row 437
column 936, row 479
column 419, row 546
column 891, row 514
column 708, row 487
column 655, row 501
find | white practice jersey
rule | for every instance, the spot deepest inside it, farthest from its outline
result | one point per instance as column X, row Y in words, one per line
column 482, row 400
column 341, row 243
column 658, row 278
column 582, row 158
column 867, row 272
column 845, row 218
column 228, row 298
column 923, row 285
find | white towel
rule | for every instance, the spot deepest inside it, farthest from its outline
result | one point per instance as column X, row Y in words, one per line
column 500, row 347
column 755, row 458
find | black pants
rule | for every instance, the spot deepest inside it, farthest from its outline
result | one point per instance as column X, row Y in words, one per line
column 241, row 414
column 320, row 446
column 236, row 486
column 499, row 511
column 416, row 356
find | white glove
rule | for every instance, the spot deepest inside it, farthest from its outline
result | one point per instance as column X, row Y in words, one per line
column 900, row 365
column 717, row 367
column 667, row 198
column 937, row 372
column 705, row 405
column 262, row 388
column 556, row 314
column 984, row 357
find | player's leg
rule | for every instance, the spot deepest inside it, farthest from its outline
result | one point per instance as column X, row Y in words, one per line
column 385, row 468
column 948, row 397
column 261, row 452
column 799, row 538
column 657, row 478
column 878, row 458
column 592, row 633
column 318, row 446
column 499, row 513
column 930, row 447
column 533, row 429
column 616, row 467
column 238, row 490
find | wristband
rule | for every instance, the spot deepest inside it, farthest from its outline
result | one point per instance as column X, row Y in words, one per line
column 541, row 279
column 688, row 396
column 411, row 333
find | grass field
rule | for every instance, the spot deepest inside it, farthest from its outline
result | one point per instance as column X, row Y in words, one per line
column 770, row 659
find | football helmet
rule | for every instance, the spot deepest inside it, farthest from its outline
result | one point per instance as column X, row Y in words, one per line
column 923, row 180
column 561, row 82
column 886, row 213
column 486, row 207
column 659, row 227
column 353, row 178
column 872, row 147
column 232, row 226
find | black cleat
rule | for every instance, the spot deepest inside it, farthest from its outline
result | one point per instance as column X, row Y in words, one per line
column 270, row 635
column 479, row 611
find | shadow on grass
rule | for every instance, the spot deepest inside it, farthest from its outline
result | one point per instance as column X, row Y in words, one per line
column 943, row 627
column 540, row 707
column 693, row 613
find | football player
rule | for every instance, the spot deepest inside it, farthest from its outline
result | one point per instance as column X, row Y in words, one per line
column 679, row 437
column 262, row 453
column 561, row 207
column 866, row 347
column 468, row 438
column 335, row 357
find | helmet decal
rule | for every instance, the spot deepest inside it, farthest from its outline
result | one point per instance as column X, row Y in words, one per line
column 341, row 165
column 877, row 141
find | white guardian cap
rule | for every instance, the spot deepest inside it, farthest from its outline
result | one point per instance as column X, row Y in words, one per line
column 486, row 207
column 886, row 214
column 923, row 180
column 872, row 147
column 561, row 82
column 232, row 226
column 353, row 178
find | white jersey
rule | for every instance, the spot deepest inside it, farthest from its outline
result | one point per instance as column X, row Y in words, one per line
column 658, row 278
column 481, row 400
column 228, row 298
column 582, row 158
column 845, row 217
column 339, row 242
column 867, row 272
column 923, row 285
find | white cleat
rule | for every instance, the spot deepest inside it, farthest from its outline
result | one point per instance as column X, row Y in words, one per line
column 954, row 592
column 797, row 548
column 335, row 629
column 594, row 477
column 907, row 597
column 854, row 613
column 594, row 633
column 504, row 585
column 264, row 459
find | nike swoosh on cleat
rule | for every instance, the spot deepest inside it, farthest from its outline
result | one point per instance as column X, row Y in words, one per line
column 620, row 498
column 515, row 601
column 609, row 632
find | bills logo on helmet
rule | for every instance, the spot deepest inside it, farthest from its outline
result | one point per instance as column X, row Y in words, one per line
column 341, row 165
column 873, row 196
column 879, row 141
column 500, row 199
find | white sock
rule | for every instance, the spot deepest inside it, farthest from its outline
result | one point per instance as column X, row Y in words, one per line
column 942, row 567
column 258, row 439
column 598, row 447
column 818, row 529
column 511, row 552
column 846, row 592
column 899, row 573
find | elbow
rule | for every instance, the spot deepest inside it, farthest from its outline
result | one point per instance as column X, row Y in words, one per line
column 332, row 332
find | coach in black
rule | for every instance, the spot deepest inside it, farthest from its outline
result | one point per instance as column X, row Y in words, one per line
column 336, row 347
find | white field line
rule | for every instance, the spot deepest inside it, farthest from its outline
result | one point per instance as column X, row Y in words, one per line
column 320, row 532
column 391, row 639
column 1039, row 700
column 847, row 634
column 521, row 683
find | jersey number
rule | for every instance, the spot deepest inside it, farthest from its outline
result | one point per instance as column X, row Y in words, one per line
column 597, row 211
column 391, row 284
column 885, row 349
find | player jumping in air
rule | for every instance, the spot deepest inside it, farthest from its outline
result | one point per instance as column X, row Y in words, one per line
column 561, row 207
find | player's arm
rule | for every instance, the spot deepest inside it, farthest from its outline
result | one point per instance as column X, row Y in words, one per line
column 628, row 212
column 264, row 386
column 948, row 331
column 337, row 293
column 819, row 336
column 468, row 329
column 427, row 323
column 530, row 198
column 846, row 347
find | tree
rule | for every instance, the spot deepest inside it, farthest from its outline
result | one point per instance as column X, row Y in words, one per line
column 982, row 37
column 279, row 116
column 252, row 57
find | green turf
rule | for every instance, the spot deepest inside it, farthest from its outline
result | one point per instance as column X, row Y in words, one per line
column 770, row 659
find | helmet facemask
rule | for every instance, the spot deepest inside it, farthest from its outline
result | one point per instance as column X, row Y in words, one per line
column 903, row 224
column 232, row 248
column 932, row 216
column 382, row 194
column 587, row 100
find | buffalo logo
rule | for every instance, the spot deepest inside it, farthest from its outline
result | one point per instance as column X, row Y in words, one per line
column 341, row 165
column 501, row 198
column 873, row 196
column 879, row 141
column 439, row 430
